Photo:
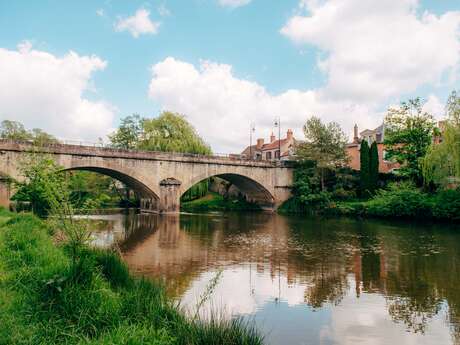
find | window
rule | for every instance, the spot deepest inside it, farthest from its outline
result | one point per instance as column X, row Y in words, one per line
column 268, row 155
column 277, row 154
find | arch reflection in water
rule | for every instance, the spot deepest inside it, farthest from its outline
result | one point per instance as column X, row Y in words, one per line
column 308, row 280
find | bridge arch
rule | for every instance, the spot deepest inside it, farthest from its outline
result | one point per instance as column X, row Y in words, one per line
column 149, row 198
column 252, row 189
column 128, row 180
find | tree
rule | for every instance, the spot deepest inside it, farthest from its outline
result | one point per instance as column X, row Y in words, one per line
column 373, row 167
column 14, row 130
column 441, row 164
column 325, row 144
column 171, row 132
column 364, row 169
column 40, row 137
column 408, row 135
column 129, row 134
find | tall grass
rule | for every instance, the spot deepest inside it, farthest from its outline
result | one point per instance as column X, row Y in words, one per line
column 43, row 301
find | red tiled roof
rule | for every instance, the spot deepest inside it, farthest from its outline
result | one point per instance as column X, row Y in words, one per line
column 274, row 145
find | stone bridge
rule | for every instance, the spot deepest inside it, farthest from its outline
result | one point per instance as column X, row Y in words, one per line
column 159, row 178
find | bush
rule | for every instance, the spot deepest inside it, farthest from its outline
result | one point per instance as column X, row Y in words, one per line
column 401, row 199
column 341, row 194
column 447, row 205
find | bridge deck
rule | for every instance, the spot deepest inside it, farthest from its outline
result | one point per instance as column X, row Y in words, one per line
column 78, row 150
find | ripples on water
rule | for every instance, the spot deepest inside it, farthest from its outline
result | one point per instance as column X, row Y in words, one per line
column 303, row 281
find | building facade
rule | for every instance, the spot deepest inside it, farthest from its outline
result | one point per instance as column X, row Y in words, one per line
column 370, row 135
column 281, row 149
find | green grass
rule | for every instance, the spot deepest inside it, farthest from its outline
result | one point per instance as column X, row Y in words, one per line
column 44, row 301
column 216, row 202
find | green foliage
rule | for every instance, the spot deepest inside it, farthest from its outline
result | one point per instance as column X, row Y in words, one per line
column 197, row 191
column 216, row 202
column 408, row 135
column 169, row 132
column 364, row 168
column 401, row 199
column 40, row 302
column 15, row 130
column 404, row 200
column 325, row 144
column 447, row 205
column 48, row 192
column 308, row 196
column 129, row 133
column 41, row 175
column 342, row 194
column 373, row 167
column 441, row 165
column 94, row 191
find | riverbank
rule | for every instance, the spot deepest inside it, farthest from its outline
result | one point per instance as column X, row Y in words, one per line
column 399, row 201
column 45, row 299
column 216, row 202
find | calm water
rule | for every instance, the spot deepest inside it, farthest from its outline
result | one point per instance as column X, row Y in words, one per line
column 304, row 281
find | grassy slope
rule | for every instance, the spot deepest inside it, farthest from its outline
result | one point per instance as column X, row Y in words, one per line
column 42, row 301
column 215, row 202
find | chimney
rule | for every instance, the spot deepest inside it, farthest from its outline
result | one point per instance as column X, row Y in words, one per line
column 290, row 134
column 260, row 143
column 272, row 138
column 355, row 134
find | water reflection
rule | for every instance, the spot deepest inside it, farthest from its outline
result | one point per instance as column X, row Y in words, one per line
column 306, row 281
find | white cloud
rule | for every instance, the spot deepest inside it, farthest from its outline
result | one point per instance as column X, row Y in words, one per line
column 221, row 106
column 45, row 91
column 372, row 53
column 138, row 24
column 100, row 12
column 435, row 107
column 378, row 49
column 234, row 3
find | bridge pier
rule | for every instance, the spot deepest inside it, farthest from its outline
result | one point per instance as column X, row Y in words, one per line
column 5, row 192
column 149, row 205
column 169, row 196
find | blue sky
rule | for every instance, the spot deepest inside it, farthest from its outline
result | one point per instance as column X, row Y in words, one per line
column 244, row 58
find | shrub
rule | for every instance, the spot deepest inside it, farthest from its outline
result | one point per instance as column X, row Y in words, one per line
column 447, row 205
column 342, row 194
column 401, row 199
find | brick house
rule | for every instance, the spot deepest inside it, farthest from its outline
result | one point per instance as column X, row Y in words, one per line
column 370, row 135
column 271, row 150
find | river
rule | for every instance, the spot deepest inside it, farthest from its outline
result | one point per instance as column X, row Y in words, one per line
column 302, row 280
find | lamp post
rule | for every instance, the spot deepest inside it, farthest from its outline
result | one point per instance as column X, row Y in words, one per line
column 278, row 124
column 252, row 128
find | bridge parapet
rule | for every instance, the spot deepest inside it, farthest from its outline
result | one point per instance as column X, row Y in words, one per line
column 108, row 152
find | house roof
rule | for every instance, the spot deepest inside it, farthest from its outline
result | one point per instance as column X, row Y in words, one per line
column 377, row 130
column 274, row 145
column 247, row 151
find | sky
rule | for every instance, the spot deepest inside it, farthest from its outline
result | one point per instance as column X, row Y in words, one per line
column 75, row 68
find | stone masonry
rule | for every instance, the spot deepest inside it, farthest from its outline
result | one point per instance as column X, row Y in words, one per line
column 159, row 178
